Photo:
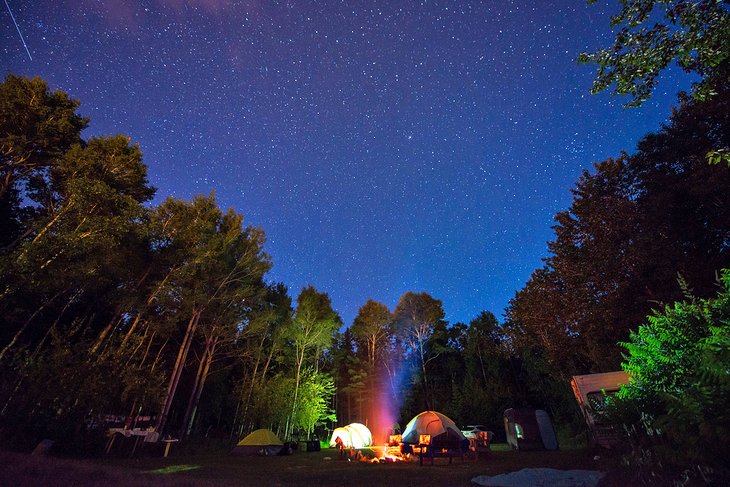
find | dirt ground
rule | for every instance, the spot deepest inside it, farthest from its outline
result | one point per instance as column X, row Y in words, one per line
column 302, row 468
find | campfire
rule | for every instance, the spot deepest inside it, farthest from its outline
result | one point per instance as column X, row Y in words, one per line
column 388, row 453
column 385, row 454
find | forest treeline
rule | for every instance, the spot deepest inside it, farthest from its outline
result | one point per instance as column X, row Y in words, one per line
column 110, row 305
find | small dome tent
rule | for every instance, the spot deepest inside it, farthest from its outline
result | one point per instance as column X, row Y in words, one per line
column 433, row 423
column 354, row 435
column 261, row 442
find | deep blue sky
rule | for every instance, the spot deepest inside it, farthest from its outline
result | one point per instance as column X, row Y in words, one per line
column 384, row 146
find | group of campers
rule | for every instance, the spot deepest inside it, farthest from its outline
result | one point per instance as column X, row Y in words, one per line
column 346, row 452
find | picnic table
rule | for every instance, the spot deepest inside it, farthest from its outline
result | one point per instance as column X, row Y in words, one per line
column 448, row 448
column 149, row 436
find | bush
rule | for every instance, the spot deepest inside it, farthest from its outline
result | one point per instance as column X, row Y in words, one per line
column 675, row 412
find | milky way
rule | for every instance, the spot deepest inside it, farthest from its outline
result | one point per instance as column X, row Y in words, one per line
column 383, row 146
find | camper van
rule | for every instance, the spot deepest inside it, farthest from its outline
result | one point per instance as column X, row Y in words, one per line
column 591, row 392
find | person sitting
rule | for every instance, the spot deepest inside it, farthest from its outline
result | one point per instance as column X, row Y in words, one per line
column 465, row 445
column 340, row 445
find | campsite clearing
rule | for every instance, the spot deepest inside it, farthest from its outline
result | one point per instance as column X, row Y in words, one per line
column 298, row 469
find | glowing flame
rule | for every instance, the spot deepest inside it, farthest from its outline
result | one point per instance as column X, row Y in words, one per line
column 384, row 454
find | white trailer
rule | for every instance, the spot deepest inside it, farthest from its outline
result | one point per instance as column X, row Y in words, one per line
column 591, row 390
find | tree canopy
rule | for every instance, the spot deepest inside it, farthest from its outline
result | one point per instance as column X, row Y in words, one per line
column 652, row 34
column 635, row 223
column 36, row 126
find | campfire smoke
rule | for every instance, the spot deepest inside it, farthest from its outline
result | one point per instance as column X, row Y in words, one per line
column 387, row 395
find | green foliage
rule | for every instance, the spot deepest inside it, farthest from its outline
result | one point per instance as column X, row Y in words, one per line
column 271, row 401
column 314, row 321
column 718, row 156
column 652, row 34
column 661, row 354
column 310, row 333
column 96, row 291
column 36, row 126
column 315, row 400
column 372, row 328
column 675, row 409
column 113, row 161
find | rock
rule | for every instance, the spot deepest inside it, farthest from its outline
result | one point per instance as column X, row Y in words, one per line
column 43, row 448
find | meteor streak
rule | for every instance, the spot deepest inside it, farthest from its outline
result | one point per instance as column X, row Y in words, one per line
column 19, row 33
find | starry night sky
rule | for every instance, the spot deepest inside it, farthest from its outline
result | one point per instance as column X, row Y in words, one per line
column 384, row 146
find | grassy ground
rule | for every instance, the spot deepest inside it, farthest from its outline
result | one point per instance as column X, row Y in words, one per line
column 315, row 468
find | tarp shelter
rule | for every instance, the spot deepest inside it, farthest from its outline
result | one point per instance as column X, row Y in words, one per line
column 354, row 435
column 529, row 429
column 547, row 432
column 433, row 423
column 590, row 392
column 261, row 442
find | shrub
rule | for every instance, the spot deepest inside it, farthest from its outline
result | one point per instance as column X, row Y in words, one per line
column 675, row 412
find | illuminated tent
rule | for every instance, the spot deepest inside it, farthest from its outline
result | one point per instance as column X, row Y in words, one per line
column 439, row 426
column 261, row 442
column 353, row 435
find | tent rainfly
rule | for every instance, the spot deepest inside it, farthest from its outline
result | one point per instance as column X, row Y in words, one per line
column 261, row 442
column 354, row 435
column 439, row 426
column 529, row 429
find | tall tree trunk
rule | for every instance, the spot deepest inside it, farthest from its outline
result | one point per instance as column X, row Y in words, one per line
column 349, row 406
column 157, row 357
column 372, row 349
column 53, row 326
column 196, row 383
column 148, row 302
column 33, row 355
column 233, row 428
column 134, row 352
column 149, row 346
column 268, row 362
column 128, row 335
column 113, row 323
column 177, row 370
column 290, row 420
column 199, row 391
column 27, row 323
column 391, row 379
column 481, row 362
column 118, row 317
column 48, row 225
column 244, row 415
column 423, row 374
